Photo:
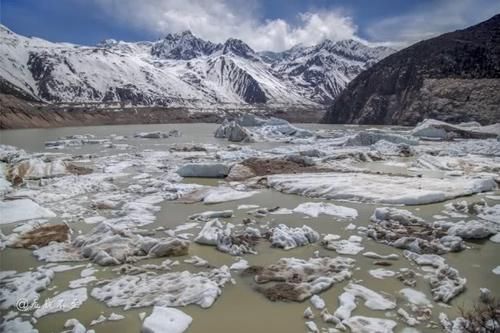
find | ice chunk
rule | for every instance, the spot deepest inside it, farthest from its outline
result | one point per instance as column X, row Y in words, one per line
column 204, row 170
column 65, row 301
column 288, row 238
column 164, row 319
column 360, row 324
column 23, row 286
column 317, row 302
column 373, row 300
column 23, row 209
column 379, row 188
column 169, row 289
column 299, row 279
column 381, row 273
column 415, row 297
column 239, row 265
column 351, row 246
column 315, row 209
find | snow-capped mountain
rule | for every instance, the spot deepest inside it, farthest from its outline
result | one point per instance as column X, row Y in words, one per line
column 180, row 70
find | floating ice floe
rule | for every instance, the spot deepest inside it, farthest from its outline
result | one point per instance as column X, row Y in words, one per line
column 17, row 325
column 196, row 261
column 65, row 302
column 299, row 279
column 361, row 324
column 21, row 210
column 378, row 188
column 314, row 209
column 288, row 238
column 445, row 281
column 373, row 300
column 401, row 229
column 351, row 246
column 393, row 149
column 214, row 195
column 374, row 255
column 250, row 128
column 317, row 302
column 347, row 305
column 415, row 297
column 239, row 265
column 436, row 129
column 164, row 319
column 24, row 286
column 204, row 170
column 381, row 273
column 169, row 289
column 106, row 245
column 367, row 138
column 212, row 215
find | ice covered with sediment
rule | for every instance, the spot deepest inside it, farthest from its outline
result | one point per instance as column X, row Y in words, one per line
column 169, row 289
column 64, row 301
column 379, row 188
column 165, row 319
column 21, row 210
column 314, row 209
column 401, row 216
column 107, row 245
column 37, row 168
column 361, row 324
column 445, row 281
column 23, row 286
column 208, row 215
column 212, row 230
column 305, row 277
column 288, row 238
column 351, row 246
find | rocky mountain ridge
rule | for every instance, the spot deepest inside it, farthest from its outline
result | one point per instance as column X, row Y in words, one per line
column 180, row 70
column 454, row 77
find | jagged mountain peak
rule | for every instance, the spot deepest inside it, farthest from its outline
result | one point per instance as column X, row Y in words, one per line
column 239, row 48
column 179, row 69
column 183, row 46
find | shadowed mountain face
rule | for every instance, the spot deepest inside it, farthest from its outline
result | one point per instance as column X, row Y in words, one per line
column 454, row 77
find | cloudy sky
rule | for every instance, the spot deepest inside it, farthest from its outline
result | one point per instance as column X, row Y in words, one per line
column 263, row 24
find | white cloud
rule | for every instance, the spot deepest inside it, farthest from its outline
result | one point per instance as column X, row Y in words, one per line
column 217, row 20
column 433, row 19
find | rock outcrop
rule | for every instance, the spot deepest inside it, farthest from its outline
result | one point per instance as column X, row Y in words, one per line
column 454, row 77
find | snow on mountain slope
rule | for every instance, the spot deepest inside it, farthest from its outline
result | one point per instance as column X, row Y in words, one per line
column 322, row 71
column 180, row 70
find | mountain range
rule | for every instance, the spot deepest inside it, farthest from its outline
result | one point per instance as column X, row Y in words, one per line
column 454, row 77
column 180, row 70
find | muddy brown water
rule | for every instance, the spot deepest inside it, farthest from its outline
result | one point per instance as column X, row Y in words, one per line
column 240, row 308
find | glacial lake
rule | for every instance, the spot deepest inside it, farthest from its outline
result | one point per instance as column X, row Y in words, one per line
column 240, row 308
